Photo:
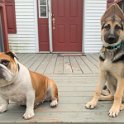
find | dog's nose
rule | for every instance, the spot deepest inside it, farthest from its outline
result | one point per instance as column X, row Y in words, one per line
column 111, row 39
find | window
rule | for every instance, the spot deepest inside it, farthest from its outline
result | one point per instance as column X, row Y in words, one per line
column 43, row 9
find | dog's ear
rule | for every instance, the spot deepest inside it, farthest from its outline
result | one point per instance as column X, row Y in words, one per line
column 11, row 54
column 113, row 11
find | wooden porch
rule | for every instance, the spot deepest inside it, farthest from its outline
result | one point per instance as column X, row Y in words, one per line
column 76, row 79
column 61, row 64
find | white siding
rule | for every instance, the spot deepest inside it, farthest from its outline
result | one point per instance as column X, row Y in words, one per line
column 26, row 38
column 93, row 10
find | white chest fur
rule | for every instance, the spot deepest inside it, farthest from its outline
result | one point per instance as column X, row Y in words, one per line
column 17, row 91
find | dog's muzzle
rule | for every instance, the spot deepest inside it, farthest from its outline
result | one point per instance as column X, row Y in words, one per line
column 111, row 39
column 1, row 73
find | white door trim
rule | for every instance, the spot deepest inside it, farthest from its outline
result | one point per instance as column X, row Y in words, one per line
column 50, row 25
column 36, row 26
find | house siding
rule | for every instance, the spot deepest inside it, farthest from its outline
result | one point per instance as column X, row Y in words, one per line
column 93, row 12
column 26, row 38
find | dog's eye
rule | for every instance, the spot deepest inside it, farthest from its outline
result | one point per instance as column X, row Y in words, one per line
column 5, row 62
column 107, row 27
column 117, row 27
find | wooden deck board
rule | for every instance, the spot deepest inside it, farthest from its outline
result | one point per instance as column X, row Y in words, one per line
column 37, row 63
column 67, row 65
column 92, row 60
column 93, row 68
column 75, row 66
column 83, row 66
column 59, row 66
column 42, row 67
column 51, row 66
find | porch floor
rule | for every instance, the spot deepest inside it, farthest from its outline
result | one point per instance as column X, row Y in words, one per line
column 76, row 79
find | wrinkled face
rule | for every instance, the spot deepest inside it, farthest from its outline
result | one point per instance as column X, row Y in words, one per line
column 112, row 33
column 8, row 69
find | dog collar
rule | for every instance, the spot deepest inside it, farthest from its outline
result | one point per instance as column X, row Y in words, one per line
column 114, row 47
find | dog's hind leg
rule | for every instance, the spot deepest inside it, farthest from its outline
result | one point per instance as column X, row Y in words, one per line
column 106, row 98
column 53, row 93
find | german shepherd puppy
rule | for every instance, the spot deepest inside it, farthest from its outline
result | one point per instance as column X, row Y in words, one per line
column 111, row 60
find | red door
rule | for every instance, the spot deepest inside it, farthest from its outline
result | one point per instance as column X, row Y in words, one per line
column 43, row 25
column 67, row 25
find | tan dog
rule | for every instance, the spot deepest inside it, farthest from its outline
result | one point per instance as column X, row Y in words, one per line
column 23, row 86
column 111, row 60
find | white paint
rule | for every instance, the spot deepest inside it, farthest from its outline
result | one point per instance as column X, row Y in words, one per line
column 50, row 26
column 36, row 25
column 93, row 11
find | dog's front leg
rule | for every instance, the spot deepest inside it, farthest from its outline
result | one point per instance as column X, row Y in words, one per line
column 30, row 98
column 115, row 109
column 3, row 104
column 101, row 82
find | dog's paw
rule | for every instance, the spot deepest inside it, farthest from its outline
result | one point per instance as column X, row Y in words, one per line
column 54, row 103
column 28, row 115
column 122, row 107
column 114, row 111
column 3, row 108
column 90, row 105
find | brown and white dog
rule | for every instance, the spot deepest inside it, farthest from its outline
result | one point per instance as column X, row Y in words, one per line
column 23, row 86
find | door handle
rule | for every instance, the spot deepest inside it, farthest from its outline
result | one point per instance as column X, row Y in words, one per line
column 54, row 22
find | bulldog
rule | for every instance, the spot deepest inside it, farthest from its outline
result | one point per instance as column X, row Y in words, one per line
column 23, row 86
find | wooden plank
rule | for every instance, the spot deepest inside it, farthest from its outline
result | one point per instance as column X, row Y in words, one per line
column 42, row 67
column 76, row 94
column 67, row 65
column 95, row 56
column 59, row 67
column 83, row 66
column 21, row 59
column 64, row 88
column 90, row 64
column 51, row 66
column 19, row 55
column 33, row 60
column 27, row 59
column 75, row 83
column 96, row 63
column 39, row 60
column 75, row 67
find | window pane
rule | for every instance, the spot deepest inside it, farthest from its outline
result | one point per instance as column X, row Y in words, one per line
column 42, row 2
column 43, row 11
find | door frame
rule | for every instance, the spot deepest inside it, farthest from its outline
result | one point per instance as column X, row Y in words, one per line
column 4, row 25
